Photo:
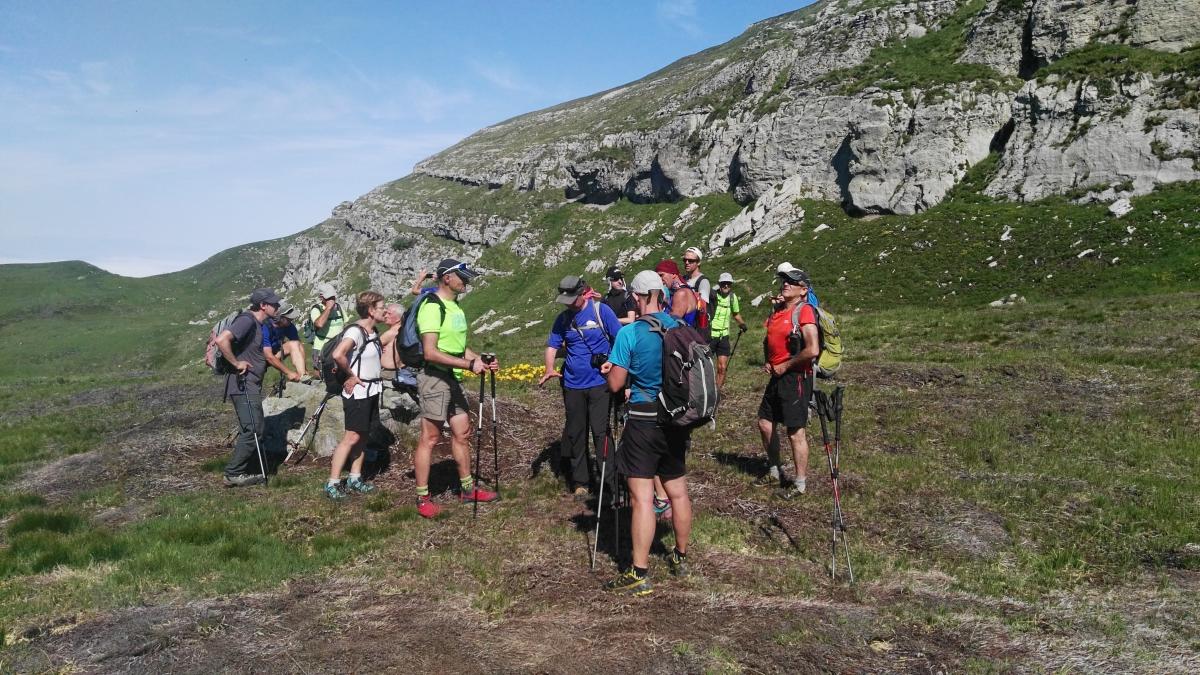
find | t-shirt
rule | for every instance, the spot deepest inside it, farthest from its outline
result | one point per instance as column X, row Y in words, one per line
column 620, row 302
column 725, row 306
column 639, row 351
column 246, row 346
column 452, row 333
column 368, row 366
column 703, row 287
column 337, row 321
column 273, row 336
column 779, row 331
column 583, row 336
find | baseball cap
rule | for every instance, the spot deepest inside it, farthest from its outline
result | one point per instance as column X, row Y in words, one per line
column 614, row 273
column 569, row 289
column 694, row 251
column 725, row 277
column 644, row 282
column 460, row 268
column 667, row 266
column 784, row 268
column 264, row 296
column 794, row 274
column 289, row 311
column 325, row 290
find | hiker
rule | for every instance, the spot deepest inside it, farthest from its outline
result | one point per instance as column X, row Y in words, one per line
column 618, row 298
column 676, row 302
column 693, row 277
column 726, row 309
column 789, row 353
column 241, row 346
column 648, row 449
column 811, row 297
column 280, row 340
column 582, row 334
column 326, row 319
column 358, row 355
column 393, row 316
column 443, row 330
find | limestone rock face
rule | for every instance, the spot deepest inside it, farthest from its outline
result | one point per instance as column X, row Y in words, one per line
column 771, row 217
column 1166, row 25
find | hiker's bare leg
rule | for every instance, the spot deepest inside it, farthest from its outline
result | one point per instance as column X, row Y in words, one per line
column 341, row 453
column 681, row 511
column 641, row 494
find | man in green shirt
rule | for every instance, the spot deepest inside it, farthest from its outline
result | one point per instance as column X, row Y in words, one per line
column 327, row 320
column 443, row 329
column 726, row 307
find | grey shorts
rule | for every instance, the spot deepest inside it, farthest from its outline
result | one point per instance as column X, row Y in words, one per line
column 441, row 395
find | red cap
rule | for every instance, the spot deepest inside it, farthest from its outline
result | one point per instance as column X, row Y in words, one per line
column 667, row 266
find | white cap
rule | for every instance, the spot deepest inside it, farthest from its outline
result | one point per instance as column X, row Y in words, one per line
column 725, row 276
column 695, row 251
column 644, row 282
column 325, row 290
column 784, row 268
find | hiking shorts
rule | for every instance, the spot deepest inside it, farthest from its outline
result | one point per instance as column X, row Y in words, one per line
column 362, row 414
column 648, row 449
column 786, row 400
column 441, row 395
column 720, row 346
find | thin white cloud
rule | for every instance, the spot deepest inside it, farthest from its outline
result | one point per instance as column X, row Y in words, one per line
column 502, row 76
column 681, row 14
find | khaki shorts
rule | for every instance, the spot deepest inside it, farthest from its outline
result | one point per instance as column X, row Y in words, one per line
column 441, row 395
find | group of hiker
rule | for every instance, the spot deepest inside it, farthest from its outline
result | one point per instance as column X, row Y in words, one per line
column 652, row 351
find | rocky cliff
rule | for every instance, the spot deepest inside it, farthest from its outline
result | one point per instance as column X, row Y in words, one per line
column 880, row 106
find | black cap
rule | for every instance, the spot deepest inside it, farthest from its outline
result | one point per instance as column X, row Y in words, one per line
column 459, row 268
column 264, row 296
column 795, row 274
column 569, row 289
column 614, row 273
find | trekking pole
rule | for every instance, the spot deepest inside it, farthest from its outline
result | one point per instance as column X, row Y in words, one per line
column 478, row 443
column 262, row 464
column 600, row 494
column 495, row 447
column 616, row 487
column 294, row 446
column 736, row 340
column 837, row 454
column 826, row 411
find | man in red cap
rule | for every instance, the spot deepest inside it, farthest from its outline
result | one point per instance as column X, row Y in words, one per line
column 679, row 304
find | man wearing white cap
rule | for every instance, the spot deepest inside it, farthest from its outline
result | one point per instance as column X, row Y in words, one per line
column 326, row 318
column 695, row 279
column 726, row 309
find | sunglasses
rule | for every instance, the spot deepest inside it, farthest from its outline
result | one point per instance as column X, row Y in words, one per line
column 725, row 283
column 690, row 260
column 791, row 282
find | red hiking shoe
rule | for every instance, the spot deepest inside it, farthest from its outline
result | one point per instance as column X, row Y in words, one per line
column 427, row 508
column 478, row 494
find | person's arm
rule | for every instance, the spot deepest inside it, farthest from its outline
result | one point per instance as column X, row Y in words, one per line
column 469, row 360
column 810, row 351
column 616, row 378
column 683, row 301
column 420, row 281
column 225, row 344
column 551, row 354
column 278, row 364
column 390, row 334
column 740, row 321
column 321, row 321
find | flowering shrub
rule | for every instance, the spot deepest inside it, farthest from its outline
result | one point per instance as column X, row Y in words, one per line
column 519, row 372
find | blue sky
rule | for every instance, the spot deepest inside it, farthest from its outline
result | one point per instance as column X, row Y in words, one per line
column 146, row 136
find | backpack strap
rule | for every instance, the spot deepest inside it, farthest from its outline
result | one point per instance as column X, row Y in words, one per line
column 656, row 326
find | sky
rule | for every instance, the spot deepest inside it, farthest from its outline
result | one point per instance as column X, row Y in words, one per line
column 143, row 137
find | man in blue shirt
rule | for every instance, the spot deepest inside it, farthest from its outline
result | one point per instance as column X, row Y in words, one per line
column 648, row 449
column 582, row 334
column 281, row 339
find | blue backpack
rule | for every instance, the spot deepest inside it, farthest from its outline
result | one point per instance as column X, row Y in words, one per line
column 411, row 351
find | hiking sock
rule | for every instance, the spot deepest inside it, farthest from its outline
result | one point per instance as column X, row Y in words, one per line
column 422, row 491
column 679, row 555
column 640, row 572
column 467, row 484
column 354, row 477
column 799, row 484
column 775, row 472
column 334, row 482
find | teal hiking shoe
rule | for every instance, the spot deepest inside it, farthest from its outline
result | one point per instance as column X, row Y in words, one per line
column 334, row 493
column 358, row 485
column 678, row 564
column 662, row 509
column 629, row 583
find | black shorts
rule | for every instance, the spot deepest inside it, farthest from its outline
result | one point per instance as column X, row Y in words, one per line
column 362, row 414
column 720, row 346
column 786, row 400
column 648, row 449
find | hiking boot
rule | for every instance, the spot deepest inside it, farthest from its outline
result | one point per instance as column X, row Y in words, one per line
column 796, row 489
column 662, row 508
column 357, row 485
column 242, row 480
column 478, row 494
column 427, row 508
column 629, row 583
column 334, row 492
column 678, row 564
column 580, row 494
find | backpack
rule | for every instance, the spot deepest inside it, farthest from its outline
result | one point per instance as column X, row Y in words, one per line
column 703, row 309
column 334, row 378
column 212, row 353
column 688, row 397
column 308, row 331
column 829, row 337
column 411, row 350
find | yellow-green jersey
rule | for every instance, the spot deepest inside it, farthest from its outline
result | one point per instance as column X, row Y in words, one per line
column 452, row 332
column 725, row 306
column 335, row 325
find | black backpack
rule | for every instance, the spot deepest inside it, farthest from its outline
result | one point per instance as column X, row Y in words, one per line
column 411, row 350
column 688, row 397
column 334, row 377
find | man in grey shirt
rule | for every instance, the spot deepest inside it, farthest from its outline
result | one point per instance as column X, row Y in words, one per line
column 241, row 347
